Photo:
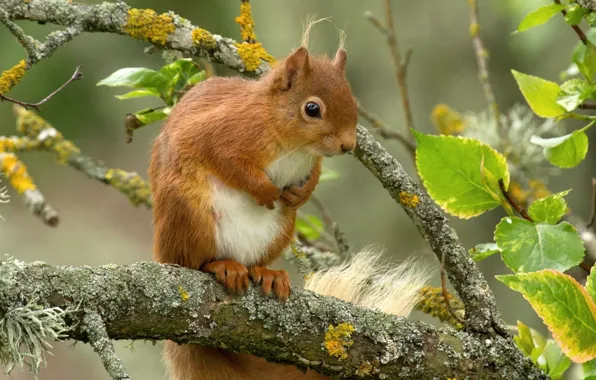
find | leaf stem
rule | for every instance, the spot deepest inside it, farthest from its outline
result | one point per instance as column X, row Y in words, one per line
column 518, row 208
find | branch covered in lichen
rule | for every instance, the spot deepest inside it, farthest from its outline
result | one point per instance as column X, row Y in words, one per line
column 164, row 31
column 129, row 183
column 323, row 333
column 16, row 172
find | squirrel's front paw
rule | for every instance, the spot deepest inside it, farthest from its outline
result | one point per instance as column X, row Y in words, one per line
column 295, row 196
column 278, row 280
column 229, row 273
column 267, row 196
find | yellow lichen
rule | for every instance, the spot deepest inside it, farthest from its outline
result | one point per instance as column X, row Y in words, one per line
column 407, row 199
column 474, row 30
column 147, row 25
column 432, row 302
column 12, row 76
column 13, row 144
column 130, row 184
column 183, row 293
column 203, row 38
column 446, row 120
column 367, row 368
column 16, row 173
column 338, row 340
column 539, row 189
column 246, row 22
column 252, row 54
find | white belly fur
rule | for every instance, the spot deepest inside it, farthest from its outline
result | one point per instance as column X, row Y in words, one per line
column 245, row 230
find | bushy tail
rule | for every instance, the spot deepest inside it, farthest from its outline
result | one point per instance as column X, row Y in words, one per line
column 366, row 281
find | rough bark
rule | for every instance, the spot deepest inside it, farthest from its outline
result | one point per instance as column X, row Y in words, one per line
column 189, row 306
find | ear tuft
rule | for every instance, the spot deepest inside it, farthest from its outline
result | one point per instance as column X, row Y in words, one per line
column 295, row 65
column 340, row 60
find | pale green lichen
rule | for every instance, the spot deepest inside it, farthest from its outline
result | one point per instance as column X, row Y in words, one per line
column 147, row 25
column 12, row 76
column 203, row 38
column 24, row 332
column 338, row 340
column 253, row 54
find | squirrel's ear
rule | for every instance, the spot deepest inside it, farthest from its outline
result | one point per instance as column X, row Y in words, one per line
column 340, row 59
column 295, row 65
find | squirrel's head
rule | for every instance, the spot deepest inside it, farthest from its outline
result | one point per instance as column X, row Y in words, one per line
column 313, row 102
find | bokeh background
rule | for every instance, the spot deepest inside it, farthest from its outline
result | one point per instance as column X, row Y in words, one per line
column 98, row 224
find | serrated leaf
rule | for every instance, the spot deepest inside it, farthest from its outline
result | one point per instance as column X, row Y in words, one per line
column 574, row 15
column 450, row 168
column 564, row 306
column 528, row 247
column 591, row 285
column 557, row 362
column 310, row 226
column 540, row 94
column 184, row 67
column 540, row 16
column 482, row 251
column 135, row 77
column 549, row 209
column 150, row 116
column 139, row 93
column 328, row 175
column 565, row 151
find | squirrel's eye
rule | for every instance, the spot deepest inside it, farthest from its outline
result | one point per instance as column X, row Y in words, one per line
column 312, row 109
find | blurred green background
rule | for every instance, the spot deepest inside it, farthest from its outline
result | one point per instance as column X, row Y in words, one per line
column 98, row 224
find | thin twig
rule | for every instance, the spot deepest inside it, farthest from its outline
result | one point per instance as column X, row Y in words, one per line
column 77, row 75
column 517, row 208
column 593, row 216
column 482, row 58
column 587, row 106
column 27, row 42
column 401, row 65
column 446, row 293
column 99, row 339
column 576, row 28
column 341, row 239
column 386, row 132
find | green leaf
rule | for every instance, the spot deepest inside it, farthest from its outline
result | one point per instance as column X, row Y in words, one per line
column 310, row 226
column 150, row 116
column 524, row 340
column 482, row 251
column 328, row 175
column 528, row 247
column 135, row 77
column 564, row 306
column 556, row 360
column 591, row 18
column 196, row 78
column 586, row 62
column 574, row 15
column 540, row 16
column 549, row 209
column 452, row 172
column 591, row 285
column 589, row 368
column 574, row 92
column 185, row 67
column 540, row 94
column 139, row 93
column 565, row 151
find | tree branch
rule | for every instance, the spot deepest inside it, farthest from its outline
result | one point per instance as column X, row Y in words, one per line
column 189, row 306
column 169, row 31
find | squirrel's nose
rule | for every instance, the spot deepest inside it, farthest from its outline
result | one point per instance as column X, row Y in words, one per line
column 347, row 147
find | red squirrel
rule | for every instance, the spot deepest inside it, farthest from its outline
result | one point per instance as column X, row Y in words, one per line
column 234, row 161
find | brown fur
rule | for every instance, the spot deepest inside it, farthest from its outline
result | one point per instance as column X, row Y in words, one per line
column 230, row 130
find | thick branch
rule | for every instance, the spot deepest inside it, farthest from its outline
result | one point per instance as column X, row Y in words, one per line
column 481, row 310
column 184, row 305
